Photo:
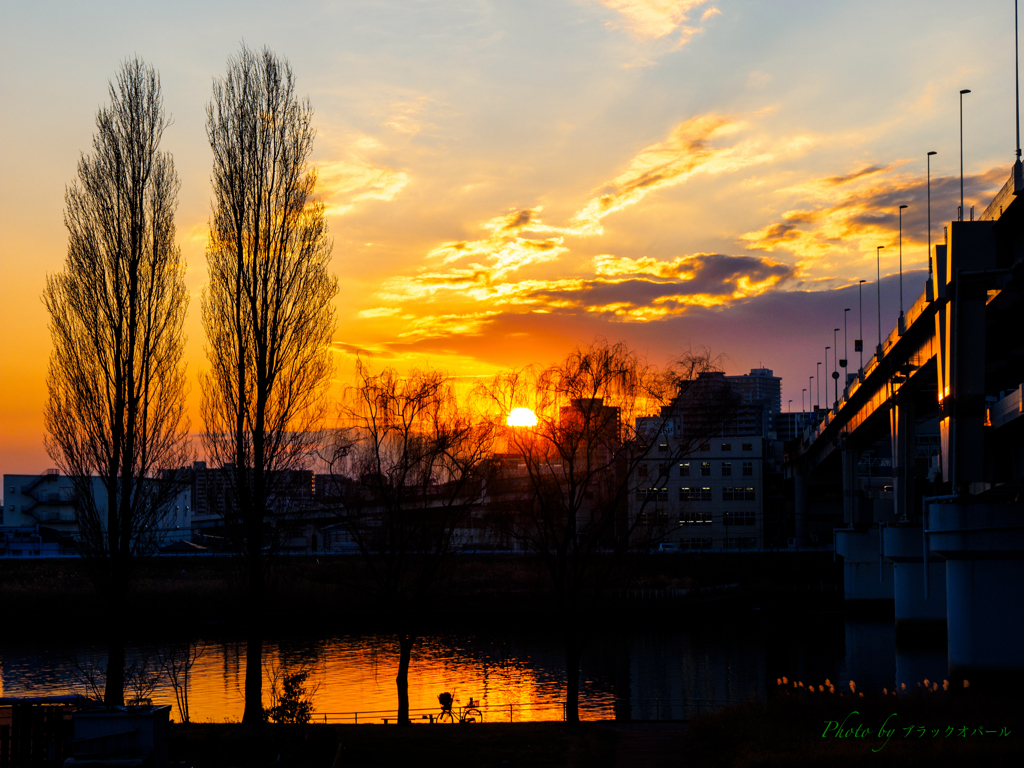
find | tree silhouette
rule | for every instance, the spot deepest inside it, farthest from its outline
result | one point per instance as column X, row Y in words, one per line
column 417, row 454
column 266, row 311
column 599, row 413
column 116, row 384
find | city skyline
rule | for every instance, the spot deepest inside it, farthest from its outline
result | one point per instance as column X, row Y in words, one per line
column 502, row 185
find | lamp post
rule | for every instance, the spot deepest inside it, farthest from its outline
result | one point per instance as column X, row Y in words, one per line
column 878, row 285
column 901, row 322
column 860, row 341
column 810, row 388
column 789, row 407
column 817, row 396
column 826, row 373
column 930, row 215
column 965, row 90
column 846, row 345
column 835, row 366
column 802, row 401
column 1018, row 169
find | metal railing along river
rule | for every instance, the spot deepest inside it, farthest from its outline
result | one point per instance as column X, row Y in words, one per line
column 616, row 709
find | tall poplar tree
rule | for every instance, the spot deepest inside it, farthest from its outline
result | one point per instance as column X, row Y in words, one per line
column 266, row 311
column 116, row 383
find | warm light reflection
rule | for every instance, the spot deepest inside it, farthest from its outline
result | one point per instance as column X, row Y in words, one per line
column 521, row 417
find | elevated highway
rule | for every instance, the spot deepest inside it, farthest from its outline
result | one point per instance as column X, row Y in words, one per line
column 943, row 539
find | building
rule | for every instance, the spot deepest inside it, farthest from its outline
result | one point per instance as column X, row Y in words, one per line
column 725, row 490
column 44, row 501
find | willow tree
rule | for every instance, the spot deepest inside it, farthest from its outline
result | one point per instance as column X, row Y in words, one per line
column 418, row 456
column 116, row 410
column 266, row 311
column 601, row 413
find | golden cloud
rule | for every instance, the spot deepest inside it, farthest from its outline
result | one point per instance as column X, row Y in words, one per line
column 341, row 184
column 657, row 18
column 687, row 151
column 844, row 217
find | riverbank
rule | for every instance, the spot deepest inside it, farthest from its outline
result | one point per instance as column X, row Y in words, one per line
column 798, row 729
column 319, row 591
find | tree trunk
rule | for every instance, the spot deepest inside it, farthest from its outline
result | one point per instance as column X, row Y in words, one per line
column 572, row 676
column 253, row 713
column 406, row 640
column 113, row 695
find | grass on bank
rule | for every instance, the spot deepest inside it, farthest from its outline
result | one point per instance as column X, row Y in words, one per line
column 799, row 727
column 202, row 745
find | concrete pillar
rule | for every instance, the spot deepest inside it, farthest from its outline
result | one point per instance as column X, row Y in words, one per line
column 903, row 425
column 800, row 505
column 916, row 614
column 983, row 545
column 866, row 575
column 851, row 493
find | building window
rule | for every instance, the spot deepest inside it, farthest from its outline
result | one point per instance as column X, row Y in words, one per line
column 740, row 543
column 662, row 470
column 652, row 494
column 695, row 517
column 726, row 469
column 662, row 447
column 705, row 446
column 748, row 469
column 684, row 469
column 726, row 446
column 643, row 470
column 696, row 543
column 727, row 494
column 705, row 469
column 748, row 494
column 689, row 494
column 705, row 494
column 739, row 518
column 748, row 446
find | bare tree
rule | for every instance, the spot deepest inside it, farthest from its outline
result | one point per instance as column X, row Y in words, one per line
column 417, row 454
column 116, row 383
column 177, row 664
column 266, row 311
column 596, row 413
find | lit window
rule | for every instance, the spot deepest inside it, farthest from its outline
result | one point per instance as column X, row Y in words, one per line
column 705, row 469
column 726, row 446
column 684, row 469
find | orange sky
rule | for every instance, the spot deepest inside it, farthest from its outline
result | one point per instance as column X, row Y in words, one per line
column 506, row 180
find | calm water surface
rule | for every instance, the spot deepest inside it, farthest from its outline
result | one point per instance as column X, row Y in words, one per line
column 625, row 672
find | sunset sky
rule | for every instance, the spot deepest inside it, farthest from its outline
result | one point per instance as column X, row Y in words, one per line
column 505, row 180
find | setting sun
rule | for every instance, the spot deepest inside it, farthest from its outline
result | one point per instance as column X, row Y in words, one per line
column 521, row 417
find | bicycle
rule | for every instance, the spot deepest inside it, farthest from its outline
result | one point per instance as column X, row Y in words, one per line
column 468, row 714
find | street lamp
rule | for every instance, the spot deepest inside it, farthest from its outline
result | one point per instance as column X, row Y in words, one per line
column 810, row 386
column 826, row 373
column 859, row 343
column 930, row 215
column 1018, row 169
column 835, row 369
column 802, row 401
column 878, row 284
column 817, row 397
column 901, row 321
column 965, row 90
column 789, row 407
column 846, row 344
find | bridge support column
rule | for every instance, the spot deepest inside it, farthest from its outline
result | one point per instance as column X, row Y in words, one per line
column 918, row 617
column 851, row 493
column 904, row 444
column 800, row 506
column 984, row 549
column 866, row 575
